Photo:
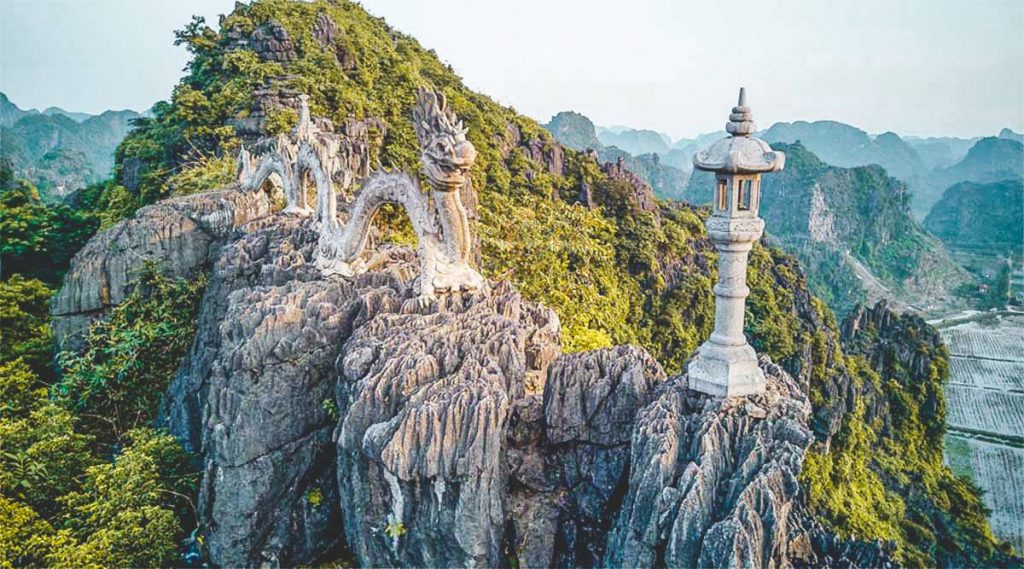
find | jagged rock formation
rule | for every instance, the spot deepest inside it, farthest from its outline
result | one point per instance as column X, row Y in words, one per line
column 352, row 415
column 713, row 481
column 569, row 455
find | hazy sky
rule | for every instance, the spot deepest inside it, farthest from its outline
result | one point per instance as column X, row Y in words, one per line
column 921, row 67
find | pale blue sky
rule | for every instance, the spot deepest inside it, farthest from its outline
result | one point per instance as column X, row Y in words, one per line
column 921, row 67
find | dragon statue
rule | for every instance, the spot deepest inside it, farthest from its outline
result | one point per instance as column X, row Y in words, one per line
column 438, row 216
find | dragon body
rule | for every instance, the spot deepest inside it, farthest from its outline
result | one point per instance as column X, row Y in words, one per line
column 438, row 216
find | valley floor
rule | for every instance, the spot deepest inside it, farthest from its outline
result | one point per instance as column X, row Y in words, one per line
column 985, row 415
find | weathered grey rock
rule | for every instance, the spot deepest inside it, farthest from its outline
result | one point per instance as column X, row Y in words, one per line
column 180, row 234
column 427, row 392
column 591, row 402
column 249, row 399
column 710, row 485
column 270, row 41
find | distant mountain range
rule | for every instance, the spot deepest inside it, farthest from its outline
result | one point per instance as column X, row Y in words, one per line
column 57, row 150
column 989, row 160
column 927, row 165
column 842, row 145
column 579, row 133
column 635, row 141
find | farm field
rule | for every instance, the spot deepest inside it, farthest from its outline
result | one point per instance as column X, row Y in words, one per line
column 988, row 374
column 985, row 415
column 989, row 341
column 990, row 465
column 987, row 410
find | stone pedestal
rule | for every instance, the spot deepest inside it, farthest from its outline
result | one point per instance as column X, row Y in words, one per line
column 726, row 365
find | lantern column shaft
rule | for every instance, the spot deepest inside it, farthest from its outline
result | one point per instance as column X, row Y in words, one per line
column 726, row 365
column 731, row 293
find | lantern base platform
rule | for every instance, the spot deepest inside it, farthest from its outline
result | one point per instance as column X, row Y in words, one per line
column 726, row 371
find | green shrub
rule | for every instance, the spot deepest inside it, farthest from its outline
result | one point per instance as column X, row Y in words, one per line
column 25, row 323
column 38, row 240
column 130, row 356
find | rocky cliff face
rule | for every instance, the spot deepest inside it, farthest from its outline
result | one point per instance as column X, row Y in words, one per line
column 182, row 234
column 350, row 417
column 712, row 482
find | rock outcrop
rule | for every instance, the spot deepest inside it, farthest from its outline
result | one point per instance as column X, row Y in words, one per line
column 569, row 455
column 181, row 234
column 351, row 417
column 713, row 481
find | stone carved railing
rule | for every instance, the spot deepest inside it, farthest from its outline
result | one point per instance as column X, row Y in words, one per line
column 438, row 217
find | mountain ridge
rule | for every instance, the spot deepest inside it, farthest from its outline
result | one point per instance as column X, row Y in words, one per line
column 58, row 151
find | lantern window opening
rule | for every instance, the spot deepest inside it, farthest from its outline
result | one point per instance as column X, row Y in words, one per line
column 723, row 194
column 744, row 196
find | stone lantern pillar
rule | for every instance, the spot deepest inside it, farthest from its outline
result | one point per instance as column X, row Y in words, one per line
column 726, row 365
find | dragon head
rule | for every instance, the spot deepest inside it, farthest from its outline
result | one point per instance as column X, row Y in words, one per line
column 445, row 152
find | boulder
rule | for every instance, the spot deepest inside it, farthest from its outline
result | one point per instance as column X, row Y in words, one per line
column 180, row 234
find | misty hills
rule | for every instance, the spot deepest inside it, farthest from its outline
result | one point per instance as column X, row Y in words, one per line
column 847, row 146
column 985, row 217
column 57, row 150
column 989, row 160
column 579, row 133
column 928, row 165
column 635, row 141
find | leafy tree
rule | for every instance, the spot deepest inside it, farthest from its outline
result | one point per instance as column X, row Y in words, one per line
column 24, row 323
column 37, row 240
column 127, row 512
column 41, row 455
column 130, row 356
column 66, row 502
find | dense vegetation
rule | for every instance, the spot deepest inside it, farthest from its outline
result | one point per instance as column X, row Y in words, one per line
column 982, row 217
column 884, row 475
column 84, row 479
column 616, row 273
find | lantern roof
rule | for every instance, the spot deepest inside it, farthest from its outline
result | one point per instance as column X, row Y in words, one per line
column 742, row 152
